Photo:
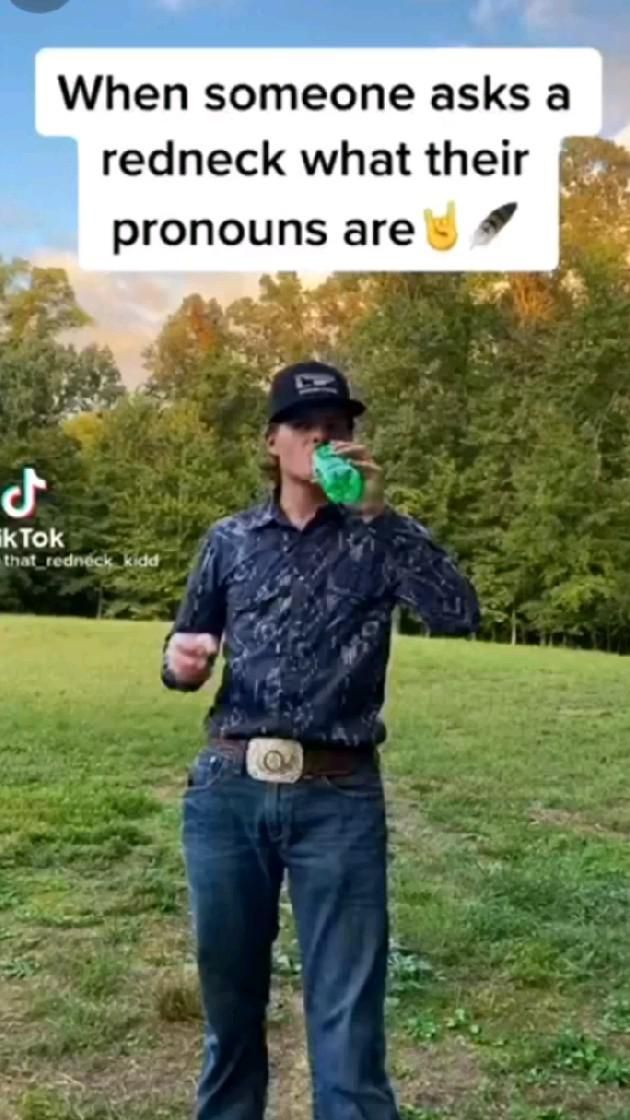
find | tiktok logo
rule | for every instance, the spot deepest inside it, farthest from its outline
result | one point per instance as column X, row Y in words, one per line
column 19, row 502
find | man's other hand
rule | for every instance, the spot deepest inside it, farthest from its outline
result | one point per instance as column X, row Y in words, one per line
column 189, row 657
column 373, row 502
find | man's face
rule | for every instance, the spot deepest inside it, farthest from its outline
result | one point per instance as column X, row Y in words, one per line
column 293, row 441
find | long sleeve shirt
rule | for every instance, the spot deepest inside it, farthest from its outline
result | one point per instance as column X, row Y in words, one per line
column 306, row 615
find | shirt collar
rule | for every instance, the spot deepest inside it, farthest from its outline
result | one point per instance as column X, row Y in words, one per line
column 270, row 512
column 266, row 513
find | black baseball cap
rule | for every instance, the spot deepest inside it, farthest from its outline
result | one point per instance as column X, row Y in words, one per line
column 310, row 384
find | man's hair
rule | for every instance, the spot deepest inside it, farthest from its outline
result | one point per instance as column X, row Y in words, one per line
column 270, row 466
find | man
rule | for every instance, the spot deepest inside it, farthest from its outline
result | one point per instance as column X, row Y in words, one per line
column 302, row 592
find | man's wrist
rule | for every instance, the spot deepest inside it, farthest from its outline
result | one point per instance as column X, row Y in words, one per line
column 373, row 504
column 372, row 511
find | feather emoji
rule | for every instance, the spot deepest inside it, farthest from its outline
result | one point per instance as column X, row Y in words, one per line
column 493, row 224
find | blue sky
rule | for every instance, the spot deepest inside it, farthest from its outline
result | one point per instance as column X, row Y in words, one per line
column 38, row 176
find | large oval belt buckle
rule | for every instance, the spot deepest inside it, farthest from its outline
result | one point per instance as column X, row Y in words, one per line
column 275, row 760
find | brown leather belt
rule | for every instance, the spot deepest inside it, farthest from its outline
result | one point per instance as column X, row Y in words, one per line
column 264, row 758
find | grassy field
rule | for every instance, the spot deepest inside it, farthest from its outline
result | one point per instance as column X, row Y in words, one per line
column 507, row 782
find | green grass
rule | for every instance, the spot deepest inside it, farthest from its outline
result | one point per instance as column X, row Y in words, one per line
column 507, row 782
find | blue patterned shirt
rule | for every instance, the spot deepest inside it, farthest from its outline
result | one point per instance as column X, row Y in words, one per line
column 306, row 618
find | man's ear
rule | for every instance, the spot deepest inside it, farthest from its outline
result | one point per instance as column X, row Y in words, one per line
column 270, row 437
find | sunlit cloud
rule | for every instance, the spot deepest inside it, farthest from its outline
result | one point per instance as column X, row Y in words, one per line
column 129, row 309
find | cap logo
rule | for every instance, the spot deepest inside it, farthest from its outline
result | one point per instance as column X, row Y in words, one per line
column 314, row 382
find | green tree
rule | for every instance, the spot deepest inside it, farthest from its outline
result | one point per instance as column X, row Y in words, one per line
column 595, row 205
column 36, row 302
column 164, row 478
column 190, row 335
column 44, row 382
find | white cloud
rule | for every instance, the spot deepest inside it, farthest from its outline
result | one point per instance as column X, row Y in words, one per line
column 129, row 308
column 14, row 216
column 616, row 92
column 486, row 12
column 548, row 13
column 177, row 6
column 590, row 22
column 536, row 15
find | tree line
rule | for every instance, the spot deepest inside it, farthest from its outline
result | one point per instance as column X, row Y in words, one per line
column 499, row 408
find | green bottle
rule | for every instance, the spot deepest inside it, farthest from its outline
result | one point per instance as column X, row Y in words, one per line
column 340, row 480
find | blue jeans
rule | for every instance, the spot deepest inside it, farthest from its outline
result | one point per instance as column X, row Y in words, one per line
column 330, row 835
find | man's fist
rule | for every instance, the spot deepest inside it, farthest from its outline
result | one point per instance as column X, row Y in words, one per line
column 188, row 656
